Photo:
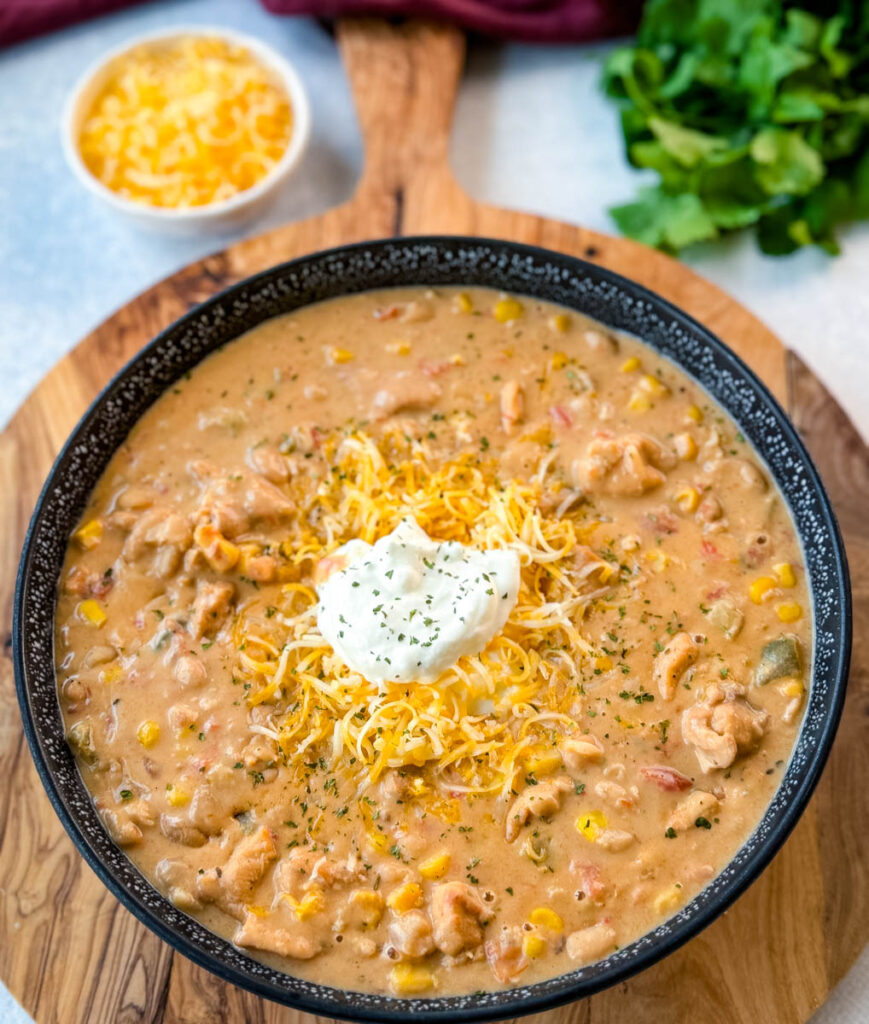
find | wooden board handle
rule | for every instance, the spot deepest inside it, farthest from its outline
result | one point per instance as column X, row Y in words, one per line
column 404, row 80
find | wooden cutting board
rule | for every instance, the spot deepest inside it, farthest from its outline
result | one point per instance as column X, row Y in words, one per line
column 69, row 952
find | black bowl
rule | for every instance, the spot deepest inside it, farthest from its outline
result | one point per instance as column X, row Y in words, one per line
column 429, row 261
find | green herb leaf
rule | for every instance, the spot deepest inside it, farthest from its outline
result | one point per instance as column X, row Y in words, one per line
column 668, row 222
column 786, row 163
column 750, row 112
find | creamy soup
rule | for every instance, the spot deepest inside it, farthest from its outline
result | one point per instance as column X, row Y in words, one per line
column 429, row 641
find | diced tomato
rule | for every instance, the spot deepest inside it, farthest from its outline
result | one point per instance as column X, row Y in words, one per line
column 560, row 416
column 588, row 876
column 328, row 565
column 506, row 957
column 708, row 549
column 100, row 586
column 661, row 521
column 92, row 584
column 77, row 581
column 433, row 369
column 666, row 778
column 755, row 556
column 386, row 313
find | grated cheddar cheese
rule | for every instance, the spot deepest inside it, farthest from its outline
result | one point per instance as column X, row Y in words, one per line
column 186, row 123
column 476, row 725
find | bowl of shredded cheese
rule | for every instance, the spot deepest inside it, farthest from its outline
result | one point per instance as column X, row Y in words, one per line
column 186, row 130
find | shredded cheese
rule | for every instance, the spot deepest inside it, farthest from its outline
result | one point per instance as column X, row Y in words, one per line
column 472, row 728
column 186, row 122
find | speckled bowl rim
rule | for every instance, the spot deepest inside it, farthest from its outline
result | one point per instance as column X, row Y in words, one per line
column 430, row 260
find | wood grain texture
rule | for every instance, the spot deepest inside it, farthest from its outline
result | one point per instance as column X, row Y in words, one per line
column 70, row 953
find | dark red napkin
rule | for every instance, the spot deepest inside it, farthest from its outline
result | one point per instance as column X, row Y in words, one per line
column 550, row 21
column 539, row 21
column 21, row 19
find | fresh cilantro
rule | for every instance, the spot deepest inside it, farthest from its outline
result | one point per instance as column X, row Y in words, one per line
column 751, row 113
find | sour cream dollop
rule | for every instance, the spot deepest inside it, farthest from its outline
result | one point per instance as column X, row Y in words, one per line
column 407, row 607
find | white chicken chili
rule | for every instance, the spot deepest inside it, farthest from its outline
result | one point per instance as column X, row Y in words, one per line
column 430, row 641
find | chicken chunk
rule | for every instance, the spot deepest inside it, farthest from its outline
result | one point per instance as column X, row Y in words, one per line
column 262, row 568
column 302, row 869
column 210, row 889
column 506, row 956
column 417, row 311
column 210, row 607
column 235, row 502
column 403, row 391
column 207, row 812
column 614, row 840
column 698, row 804
column 133, row 497
column 157, row 541
column 411, row 934
column 123, row 830
column 179, row 830
column 266, row 460
column 293, row 871
column 457, row 915
column 723, row 726
column 626, row 466
column 739, row 719
column 672, row 663
column 709, row 510
column 727, row 617
column 330, row 873
column 175, row 878
column 181, row 716
column 536, row 802
column 188, row 670
column 224, row 417
column 259, row 753
column 264, row 933
column 613, row 793
column 580, row 751
column 512, row 405
column 249, row 861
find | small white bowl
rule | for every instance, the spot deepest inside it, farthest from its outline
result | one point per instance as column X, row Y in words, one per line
column 226, row 213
